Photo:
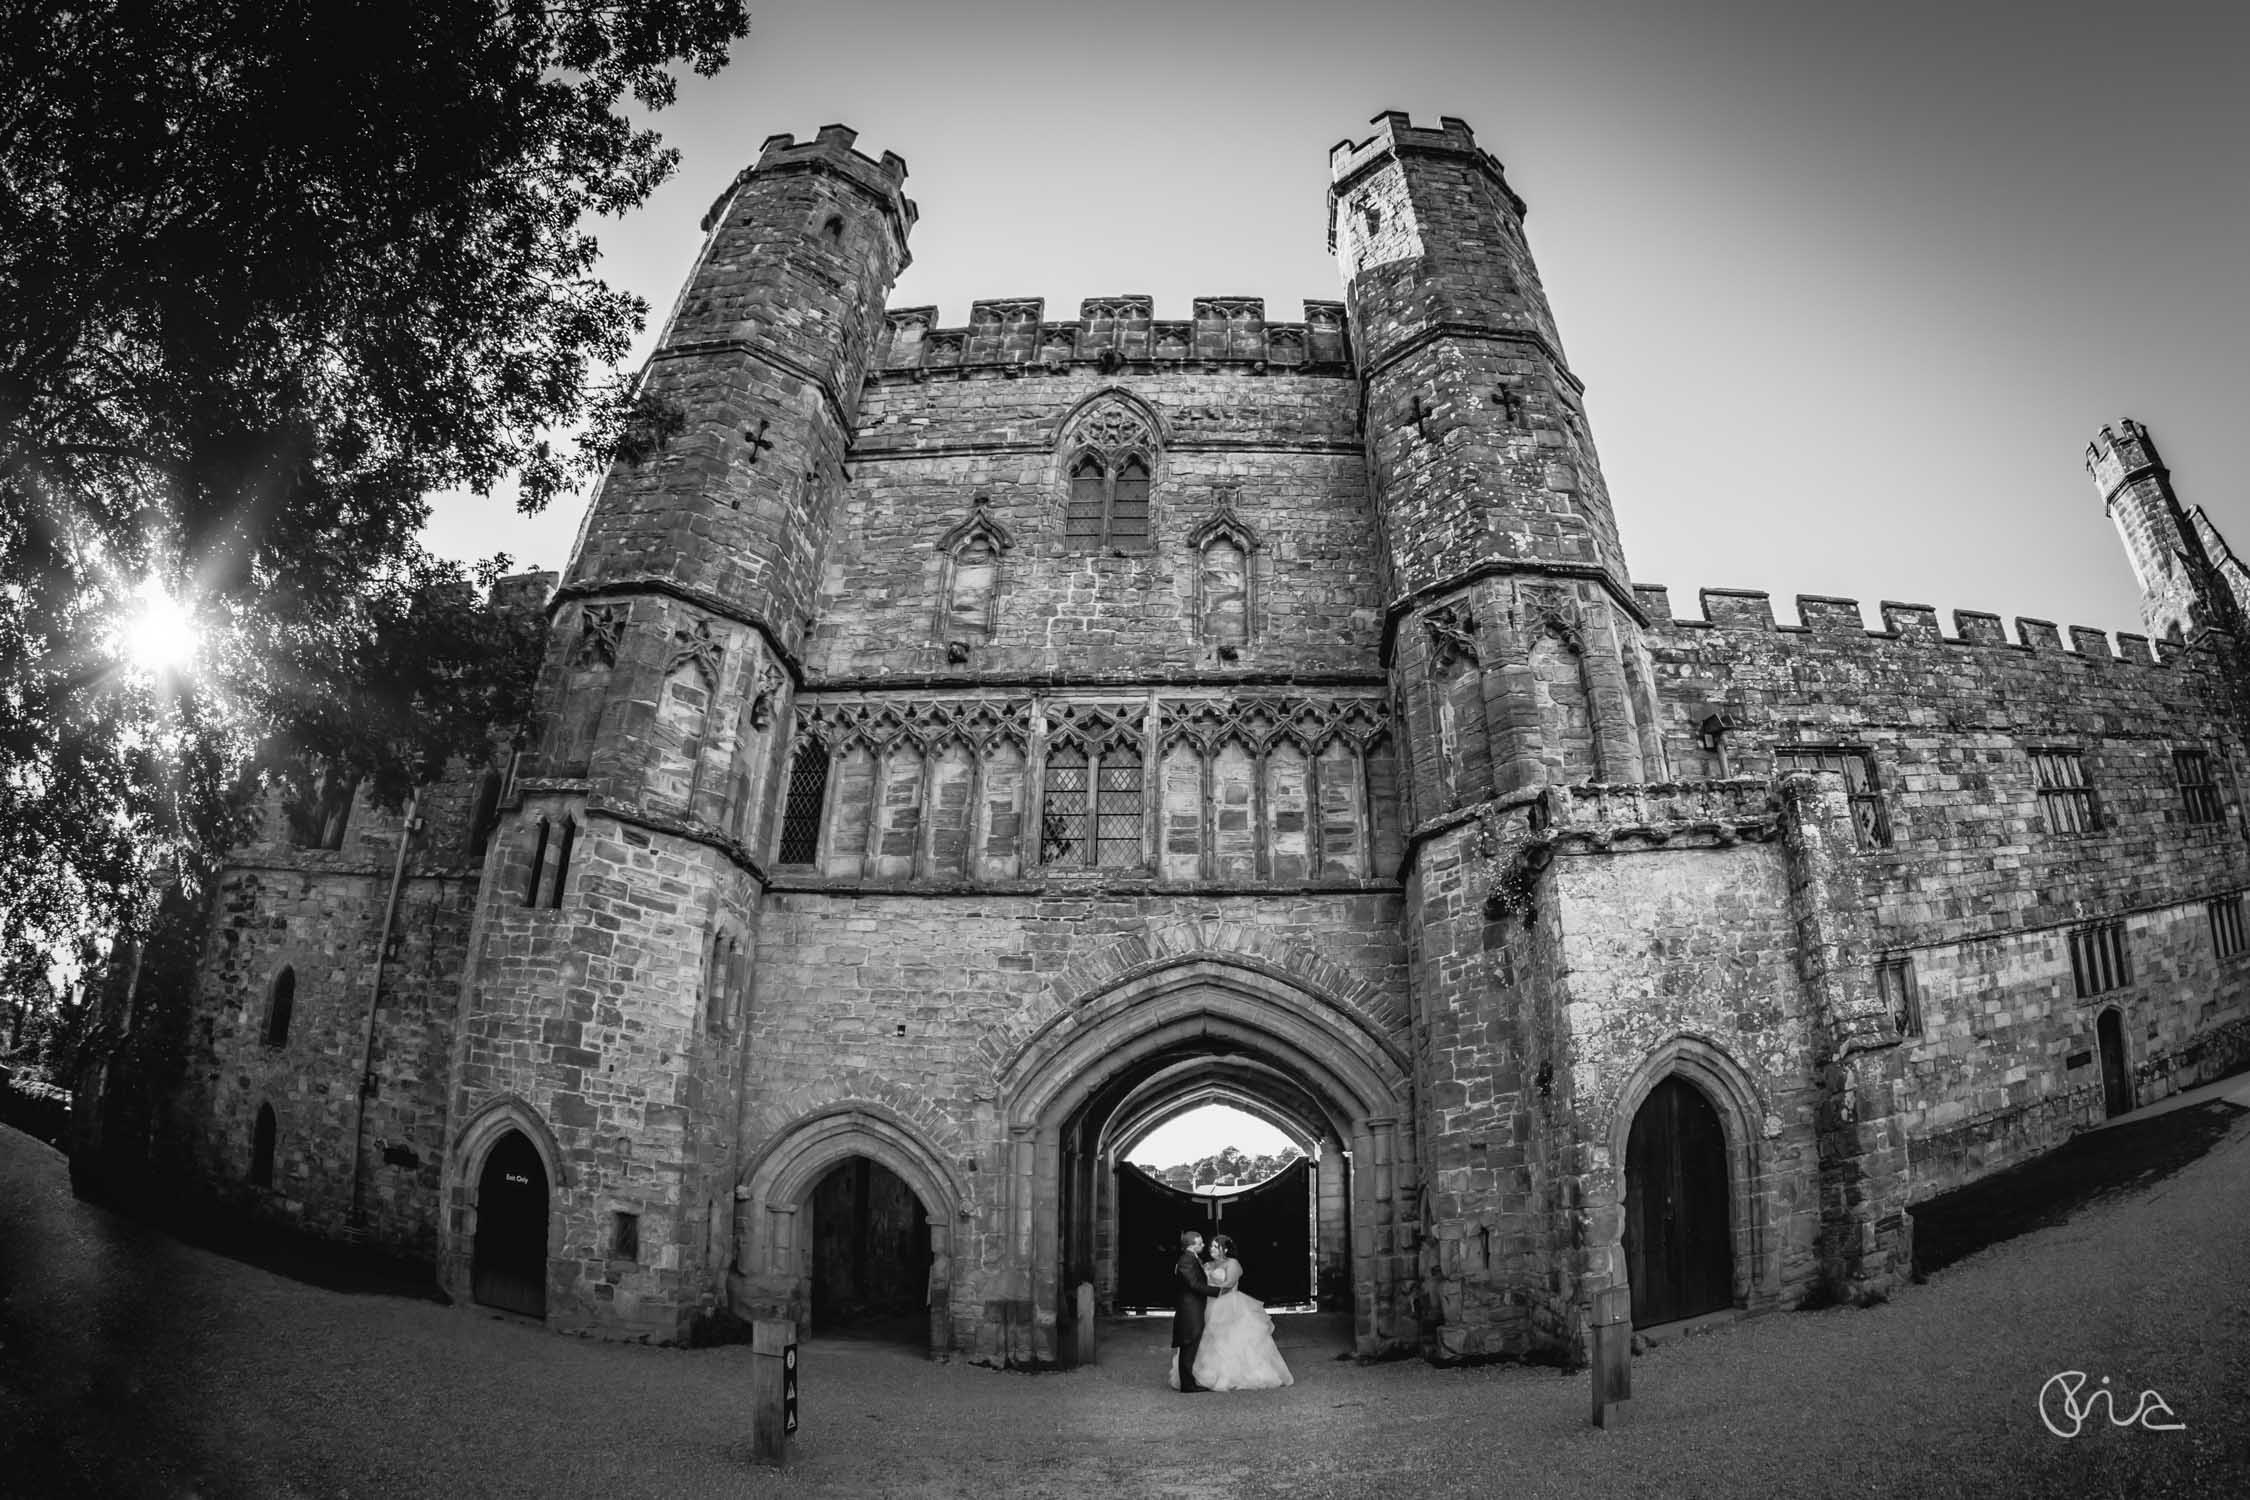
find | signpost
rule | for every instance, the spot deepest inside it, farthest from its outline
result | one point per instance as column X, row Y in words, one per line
column 773, row 1388
column 1613, row 1354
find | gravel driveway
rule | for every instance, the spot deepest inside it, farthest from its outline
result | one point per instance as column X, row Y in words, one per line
column 131, row 1364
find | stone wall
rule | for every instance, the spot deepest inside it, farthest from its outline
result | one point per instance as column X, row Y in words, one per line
column 1273, row 458
column 912, row 1008
column 318, row 914
column 1973, row 889
column 602, row 1022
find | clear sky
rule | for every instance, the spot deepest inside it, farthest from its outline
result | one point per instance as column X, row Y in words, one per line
column 1205, row 1132
column 1851, row 286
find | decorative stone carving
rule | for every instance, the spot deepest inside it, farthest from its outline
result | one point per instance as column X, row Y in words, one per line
column 1260, row 721
column 1543, row 608
column 1110, row 425
column 601, row 632
column 1453, row 637
column 761, row 703
column 695, row 646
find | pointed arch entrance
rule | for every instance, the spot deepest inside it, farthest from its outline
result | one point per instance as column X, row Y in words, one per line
column 1074, row 1091
column 508, row 1263
column 1292, row 1233
column 1691, row 1177
column 1679, row 1251
column 810, row 1176
column 2117, row 1075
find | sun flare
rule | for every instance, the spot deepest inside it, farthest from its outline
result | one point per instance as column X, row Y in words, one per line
column 160, row 636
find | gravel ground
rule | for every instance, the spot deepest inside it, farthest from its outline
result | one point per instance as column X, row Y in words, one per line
column 131, row 1364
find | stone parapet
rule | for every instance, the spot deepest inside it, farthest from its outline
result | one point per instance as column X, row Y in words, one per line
column 1010, row 336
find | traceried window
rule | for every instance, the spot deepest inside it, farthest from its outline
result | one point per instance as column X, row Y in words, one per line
column 2066, row 801
column 1870, row 824
column 1110, row 448
column 2198, row 793
column 1092, row 813
column 2098, row 960
column 1108, row 504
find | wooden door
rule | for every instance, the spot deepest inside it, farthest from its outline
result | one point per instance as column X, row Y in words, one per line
column 1679, row 1241
column 2117, row 1083
column 1150, row 1216
column 509, row 1263
column 1271, row 1226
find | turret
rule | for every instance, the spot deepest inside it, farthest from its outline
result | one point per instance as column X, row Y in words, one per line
column 600, row 1051
column 2136, row 491
column 696, row 571
column 1512, row 629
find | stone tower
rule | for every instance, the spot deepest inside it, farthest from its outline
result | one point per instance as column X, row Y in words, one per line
column 604, row 1002
column 1513, row 646
column 1512, row 631
column 2136, row 492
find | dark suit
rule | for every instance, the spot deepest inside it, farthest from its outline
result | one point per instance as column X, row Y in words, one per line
column 1188, row 1313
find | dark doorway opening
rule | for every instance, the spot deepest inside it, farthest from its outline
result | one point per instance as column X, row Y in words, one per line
column 509, row 1263
column 1679, row 1244
column 2117, row 1079
column 870, row 1256
column 1271, row 1226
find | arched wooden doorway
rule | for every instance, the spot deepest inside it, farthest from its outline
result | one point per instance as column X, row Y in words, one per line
column 1679, row 1241
column 783, row 1220
column 2117, row 1076
column 870, row 1255
column 508, row 1266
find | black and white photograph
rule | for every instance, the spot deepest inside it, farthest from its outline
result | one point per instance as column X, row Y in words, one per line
column 819, row 750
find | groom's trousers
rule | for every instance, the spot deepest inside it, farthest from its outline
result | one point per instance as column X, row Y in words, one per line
column 1187, row 1365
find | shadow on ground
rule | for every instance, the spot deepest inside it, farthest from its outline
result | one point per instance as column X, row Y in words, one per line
column 298, row 1256
column 2045, row 1192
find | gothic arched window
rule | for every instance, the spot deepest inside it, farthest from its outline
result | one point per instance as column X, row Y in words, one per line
column 1111, row 447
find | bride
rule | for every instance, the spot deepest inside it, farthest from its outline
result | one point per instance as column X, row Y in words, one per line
column 1237, row 1352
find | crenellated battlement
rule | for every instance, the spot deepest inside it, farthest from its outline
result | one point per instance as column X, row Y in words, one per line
column 1013, row 336
column 2119, row 456
column 1396, row 135
column 830, row 151
column 1834, row 617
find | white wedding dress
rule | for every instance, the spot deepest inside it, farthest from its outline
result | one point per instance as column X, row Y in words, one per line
column 1237, row 1352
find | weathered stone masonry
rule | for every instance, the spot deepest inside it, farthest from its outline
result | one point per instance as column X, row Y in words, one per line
column 966, row 747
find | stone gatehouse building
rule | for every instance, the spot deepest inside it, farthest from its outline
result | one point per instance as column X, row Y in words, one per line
column 967, row 748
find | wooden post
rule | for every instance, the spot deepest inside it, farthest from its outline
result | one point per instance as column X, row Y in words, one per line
column 1084, row 1352
column 1613, row 1354
column 773, row 1388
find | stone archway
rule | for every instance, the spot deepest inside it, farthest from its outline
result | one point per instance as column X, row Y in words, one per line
column 506, row 1117
column 773, row 1274
column 1263, row 1094
column 1063, row 1082
column 1752, row 1184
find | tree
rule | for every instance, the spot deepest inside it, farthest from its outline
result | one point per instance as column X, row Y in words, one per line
column 271, row 273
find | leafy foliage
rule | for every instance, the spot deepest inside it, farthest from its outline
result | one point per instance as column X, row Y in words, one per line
column 271, row 273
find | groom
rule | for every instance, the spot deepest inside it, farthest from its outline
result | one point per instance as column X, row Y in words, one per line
column 1187, row 1316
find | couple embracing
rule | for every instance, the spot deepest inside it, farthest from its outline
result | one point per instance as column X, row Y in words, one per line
column 1222, row 1339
